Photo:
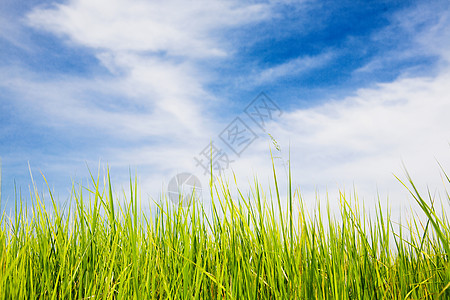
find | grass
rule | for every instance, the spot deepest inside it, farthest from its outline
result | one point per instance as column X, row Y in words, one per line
column 244, row 248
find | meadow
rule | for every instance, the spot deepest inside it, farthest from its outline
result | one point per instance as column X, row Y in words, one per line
column 245, row 247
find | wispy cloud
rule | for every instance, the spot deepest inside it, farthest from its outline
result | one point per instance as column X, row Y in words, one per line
column 170, row 26
column 362, row 141
column 151, row 49
column 152, row 107
column 154, row 97
column 413, row 33
column 294, row 67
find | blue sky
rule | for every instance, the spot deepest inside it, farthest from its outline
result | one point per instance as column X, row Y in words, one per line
column 146, row 85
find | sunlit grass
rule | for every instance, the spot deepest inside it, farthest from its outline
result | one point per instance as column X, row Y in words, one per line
column 243, row 248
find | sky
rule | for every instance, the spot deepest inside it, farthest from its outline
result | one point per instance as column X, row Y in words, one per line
column 349, row 92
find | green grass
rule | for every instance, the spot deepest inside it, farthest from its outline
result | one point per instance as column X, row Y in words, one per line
column 243, row 248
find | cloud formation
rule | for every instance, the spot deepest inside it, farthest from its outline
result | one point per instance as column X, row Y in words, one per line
column 362, row 140
column 168, row 27
column 152, row 104
column 152, row 49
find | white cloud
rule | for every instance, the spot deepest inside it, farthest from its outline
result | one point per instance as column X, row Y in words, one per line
column 93, row 103
column 154, row 51
column 415, row 32
column 169, row 26
column 12, row 32
column 293, row 67
column 157, row 54
column 362, row 140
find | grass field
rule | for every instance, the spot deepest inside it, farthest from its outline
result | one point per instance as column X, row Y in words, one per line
column 243, row 248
